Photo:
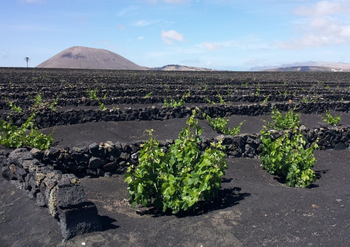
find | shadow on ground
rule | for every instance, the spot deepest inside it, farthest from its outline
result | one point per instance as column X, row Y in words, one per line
column 226, row 198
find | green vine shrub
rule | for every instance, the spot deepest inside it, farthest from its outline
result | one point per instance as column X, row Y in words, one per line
column 220, row 124
column 14, row 107
column 180, row 179
column 148, row 95
column 289, row 121
column 174, row 103
column 53, row 105
column 330, row 119
column 209, row 101
column 222, row 101
column 93, row 94
column 15, row 137
column 287, row 156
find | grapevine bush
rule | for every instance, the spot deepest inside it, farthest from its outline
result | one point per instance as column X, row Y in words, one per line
column 180, row 179
column 13, row 136
column 330, row 119
column 289, row 121
column 287, row 156
column 220, row 124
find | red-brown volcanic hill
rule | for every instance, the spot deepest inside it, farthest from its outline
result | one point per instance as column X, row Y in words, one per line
column 79, row 57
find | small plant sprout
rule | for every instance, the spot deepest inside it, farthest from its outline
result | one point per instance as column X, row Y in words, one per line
column 209, row 101
column 257, row 92
column 3, row 213
column 222, row 101
column 265, row 100
column 148, row 95
column 220, row 124
column 53, row 105
column 175, row 104
column 330, row 119
column 102, row 106
column 304, row 100
column 14, row 107
column 38, row 101
column 93, row 94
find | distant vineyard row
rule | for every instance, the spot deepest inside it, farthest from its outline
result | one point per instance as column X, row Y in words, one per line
column 68, row 87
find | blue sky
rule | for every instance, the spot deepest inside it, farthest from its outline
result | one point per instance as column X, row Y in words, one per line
column 217, row 34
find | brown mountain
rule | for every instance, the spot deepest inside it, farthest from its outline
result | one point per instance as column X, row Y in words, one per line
column 312, row 68
column 79, row 57
column 176, row 67
column 307, row 66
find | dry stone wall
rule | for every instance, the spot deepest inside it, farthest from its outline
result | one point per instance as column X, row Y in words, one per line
column 105, row 159
column 52, row 188
column 46, row 118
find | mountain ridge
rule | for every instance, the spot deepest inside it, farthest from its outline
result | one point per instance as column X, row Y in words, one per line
column 307, row 66
column 80, row 57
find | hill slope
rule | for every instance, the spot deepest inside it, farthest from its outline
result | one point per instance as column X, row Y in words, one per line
column 176, row 67
column 79, row 57
column 307, row 66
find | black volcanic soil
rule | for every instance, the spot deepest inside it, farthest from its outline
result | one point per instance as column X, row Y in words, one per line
column 84, row 134
column 253, row 207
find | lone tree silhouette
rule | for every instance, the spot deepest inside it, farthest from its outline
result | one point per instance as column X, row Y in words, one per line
column 27, row 59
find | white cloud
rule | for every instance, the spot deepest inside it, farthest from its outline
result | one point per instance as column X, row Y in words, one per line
column 324, row 8
column 169, row 36
column 320, row 32
column 142, row 23
column 211, row 46
column 323, row 28
column 249, row 42
column 209, row 63
column 127, row 10
column 141, row 38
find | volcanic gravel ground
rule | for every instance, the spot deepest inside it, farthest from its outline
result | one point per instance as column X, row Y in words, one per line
column 128, row 131
column 253, row 208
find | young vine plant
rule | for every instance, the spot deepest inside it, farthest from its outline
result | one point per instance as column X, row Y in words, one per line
column 174, row 103
column 287, row 156
column 179, row 179
column 330, row 119
column 220, row 124
column 15, row 137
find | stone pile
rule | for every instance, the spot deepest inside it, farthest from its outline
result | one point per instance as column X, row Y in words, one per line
column 59, row 192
